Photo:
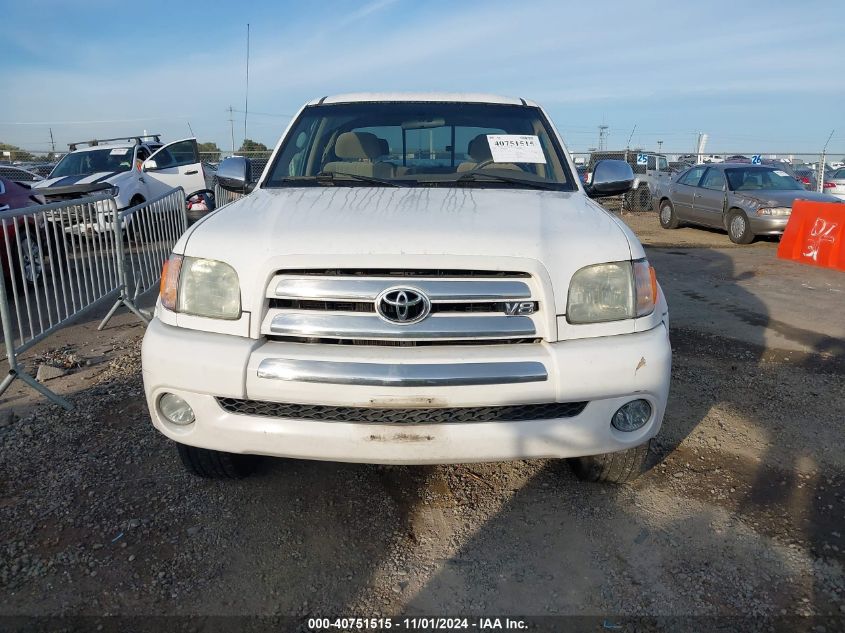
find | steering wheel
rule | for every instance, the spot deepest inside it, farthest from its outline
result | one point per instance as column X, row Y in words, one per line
column 483, row 164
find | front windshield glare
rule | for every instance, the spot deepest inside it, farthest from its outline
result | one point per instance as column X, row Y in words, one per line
column 760, row 179
column 84, row 163
column 420, row 144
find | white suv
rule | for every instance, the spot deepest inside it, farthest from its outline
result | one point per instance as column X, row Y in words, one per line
column 138, row 169
column 414, row 279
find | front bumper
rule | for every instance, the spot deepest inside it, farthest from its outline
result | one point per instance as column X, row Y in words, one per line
column 606, row 372
column 768, row 225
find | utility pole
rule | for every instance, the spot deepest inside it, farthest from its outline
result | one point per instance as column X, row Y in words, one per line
column 602, row 137
column 659, row 147
column 232, row 127
column 246, row 97
column 820, row 175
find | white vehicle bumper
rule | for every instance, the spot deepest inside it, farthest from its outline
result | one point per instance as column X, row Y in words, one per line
column 605, row 372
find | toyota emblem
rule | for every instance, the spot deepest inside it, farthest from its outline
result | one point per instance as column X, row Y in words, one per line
column 402, row 305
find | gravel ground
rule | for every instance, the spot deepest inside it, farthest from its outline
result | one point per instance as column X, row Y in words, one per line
column 742, row 514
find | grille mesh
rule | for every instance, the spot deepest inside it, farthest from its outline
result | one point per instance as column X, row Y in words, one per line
column 368, row 415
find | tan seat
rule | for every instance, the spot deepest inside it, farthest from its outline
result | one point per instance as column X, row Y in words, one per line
column 479, row 151
column 358, row 152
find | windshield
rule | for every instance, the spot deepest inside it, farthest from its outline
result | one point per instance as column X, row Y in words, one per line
column 760, row 179
column 109, row 159
column 421, row 144
column 838, row 174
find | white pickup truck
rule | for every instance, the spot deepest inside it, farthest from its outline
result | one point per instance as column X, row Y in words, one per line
column 414, row 279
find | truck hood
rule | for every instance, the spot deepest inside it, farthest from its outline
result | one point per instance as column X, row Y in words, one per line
column 548, row 232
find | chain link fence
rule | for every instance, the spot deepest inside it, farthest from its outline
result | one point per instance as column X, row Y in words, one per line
column 61, row 260
column 653, row 170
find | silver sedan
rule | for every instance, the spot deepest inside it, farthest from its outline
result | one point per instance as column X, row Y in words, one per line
column 744, row 200
column 837, row 179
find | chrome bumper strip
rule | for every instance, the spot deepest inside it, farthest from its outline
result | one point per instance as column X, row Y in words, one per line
column 379, row 374
column 345, row 289
column 353, row 326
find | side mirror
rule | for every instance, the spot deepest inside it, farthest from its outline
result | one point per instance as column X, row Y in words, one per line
column 235, row 174
column 149, row 165
column 610, row 178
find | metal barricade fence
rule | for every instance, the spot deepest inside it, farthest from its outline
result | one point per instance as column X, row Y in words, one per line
column 146, row 235
column 66, row 258
column 60, row 261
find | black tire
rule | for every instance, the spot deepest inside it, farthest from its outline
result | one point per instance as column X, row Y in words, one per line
column 667, row 215
column 642, row 198
column 211, row 464
column 615, row 468
column 739, row 228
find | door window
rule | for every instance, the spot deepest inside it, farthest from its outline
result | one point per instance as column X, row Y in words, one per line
column 662, row 163
column 713, row 179
column 652, row 162
column 692, row 177
column 176, row 155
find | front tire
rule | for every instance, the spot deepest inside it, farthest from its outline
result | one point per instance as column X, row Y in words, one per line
column 739, row 228
column 212, row 464
column 668, row 217
column 642, row 199
column 615, row 468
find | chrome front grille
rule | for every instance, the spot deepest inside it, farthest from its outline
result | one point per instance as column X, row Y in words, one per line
column 340, row 306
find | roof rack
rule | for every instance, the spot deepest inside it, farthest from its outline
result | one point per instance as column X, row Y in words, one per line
column 135, row 137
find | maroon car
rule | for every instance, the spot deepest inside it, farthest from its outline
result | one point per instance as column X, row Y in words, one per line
column 29, row 266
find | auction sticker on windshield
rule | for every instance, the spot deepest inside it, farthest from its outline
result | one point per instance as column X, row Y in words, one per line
column 119, row 151
column 515, row 148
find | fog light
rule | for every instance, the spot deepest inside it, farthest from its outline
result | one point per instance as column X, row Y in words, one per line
column 175, row 409
column 631, row 416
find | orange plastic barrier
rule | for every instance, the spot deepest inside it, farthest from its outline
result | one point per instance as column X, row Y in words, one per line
column 815, row 234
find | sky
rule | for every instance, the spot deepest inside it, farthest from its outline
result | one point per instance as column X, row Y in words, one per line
column 756, row 76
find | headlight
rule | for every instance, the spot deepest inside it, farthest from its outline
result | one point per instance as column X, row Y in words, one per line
column 103, row 207
column 776, row 211
column 611, row 292
column 201, row 287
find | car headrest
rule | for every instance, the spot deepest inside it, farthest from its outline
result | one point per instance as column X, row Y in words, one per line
column 357, row 145
column 479, row 149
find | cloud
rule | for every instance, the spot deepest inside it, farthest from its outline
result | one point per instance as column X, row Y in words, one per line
column 633, row 63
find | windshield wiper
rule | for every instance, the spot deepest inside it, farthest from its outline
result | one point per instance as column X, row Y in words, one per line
column 471, row 176
column 329, row 178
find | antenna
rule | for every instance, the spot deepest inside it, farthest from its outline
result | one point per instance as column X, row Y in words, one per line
column 246, row 97
column 824, row 151
column 53, row 143
column 191, row 129
column 820, row 174
column 628, row 144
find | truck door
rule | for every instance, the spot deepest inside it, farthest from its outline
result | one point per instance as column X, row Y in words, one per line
column 176, row 164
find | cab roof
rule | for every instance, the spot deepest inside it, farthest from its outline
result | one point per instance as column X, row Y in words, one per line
column 433, row 97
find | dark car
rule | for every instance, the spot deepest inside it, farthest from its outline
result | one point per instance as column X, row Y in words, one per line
column 745, row 200
column 26, row 262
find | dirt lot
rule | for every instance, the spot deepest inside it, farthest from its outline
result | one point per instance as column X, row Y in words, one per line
column 743, row 515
